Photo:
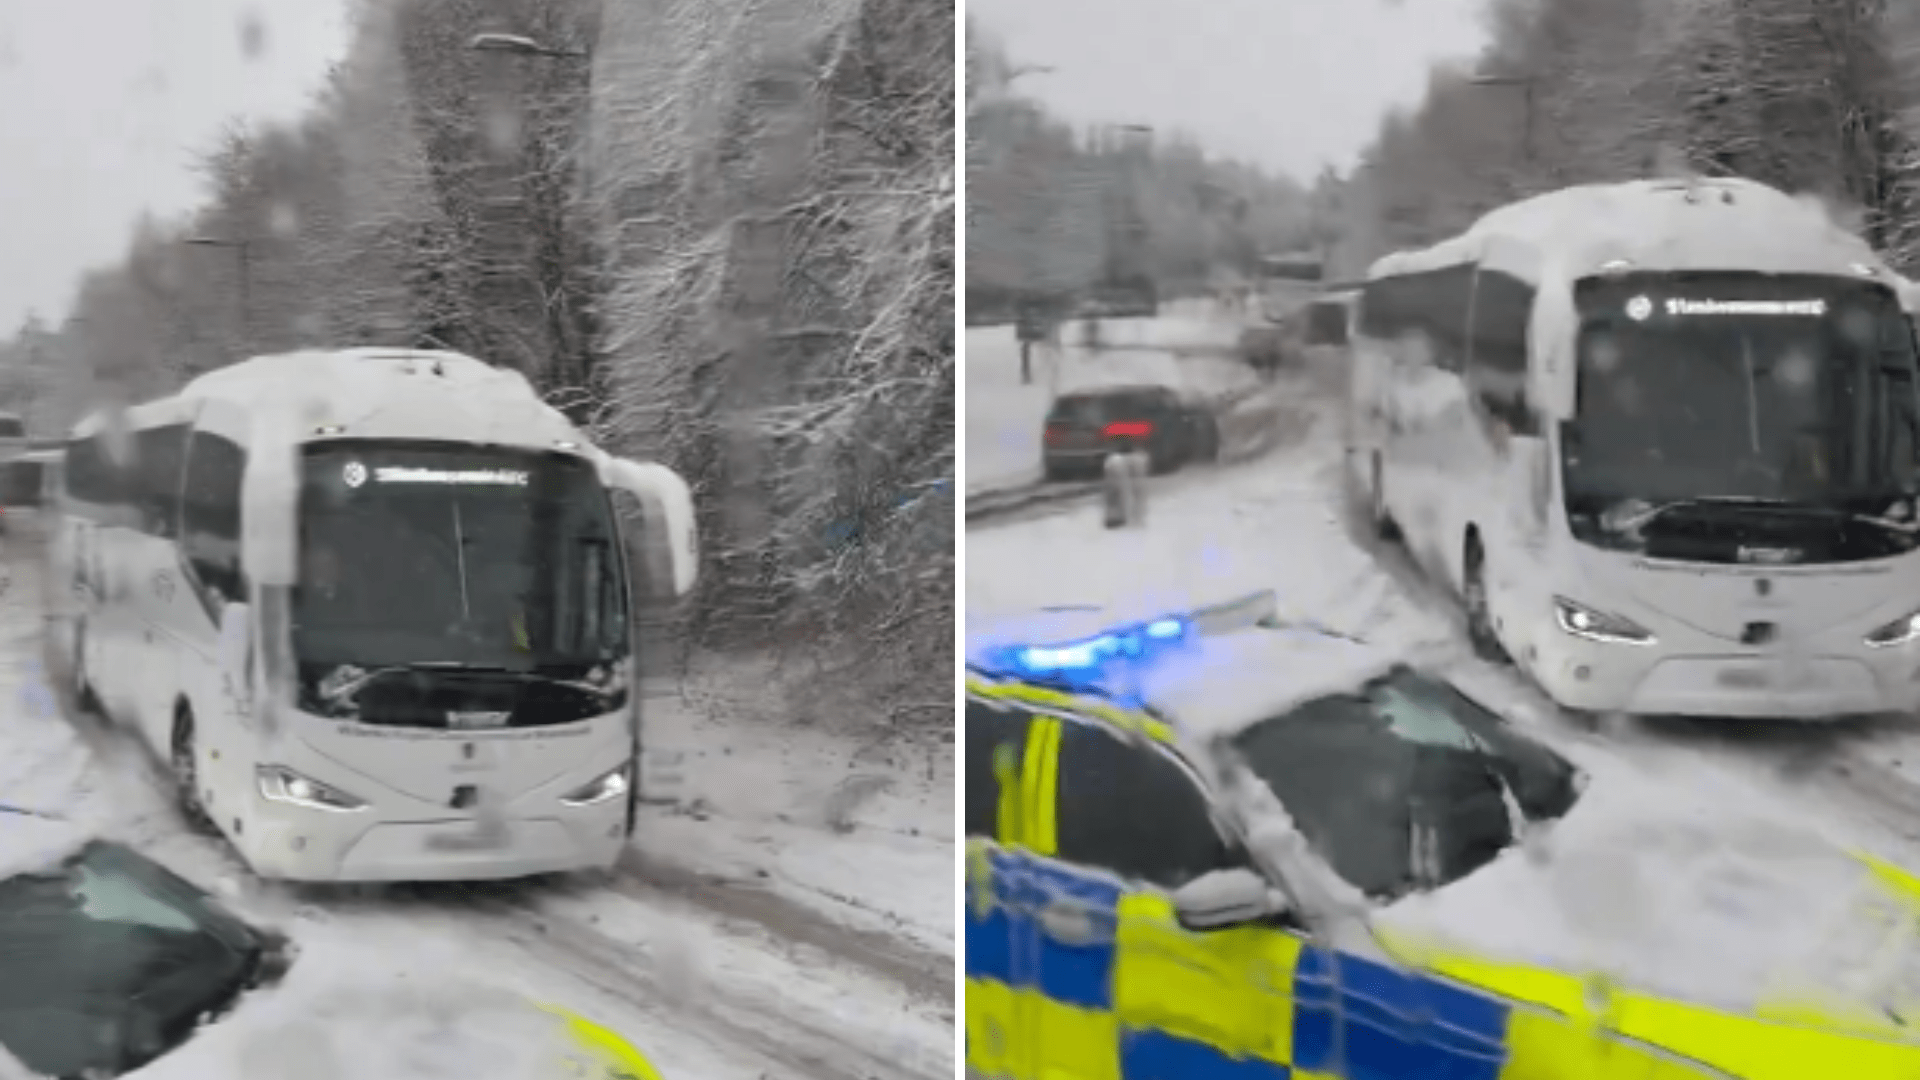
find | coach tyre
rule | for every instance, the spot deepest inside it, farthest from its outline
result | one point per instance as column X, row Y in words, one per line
column 186, row 771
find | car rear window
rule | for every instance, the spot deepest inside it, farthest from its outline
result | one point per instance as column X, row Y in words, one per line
column 1079, row 410
column 1102, row 408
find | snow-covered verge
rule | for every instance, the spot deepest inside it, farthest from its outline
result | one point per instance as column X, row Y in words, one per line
column 856, row 824
column 406, row 983
column 1276, row 527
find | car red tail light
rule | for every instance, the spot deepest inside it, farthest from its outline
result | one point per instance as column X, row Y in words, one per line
column 1128, row 429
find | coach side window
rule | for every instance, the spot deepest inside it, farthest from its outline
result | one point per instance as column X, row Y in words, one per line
column 158, row 455
column 1431, row 304
column 92, row 477
column 1444, row 297
column 1497, row 368
column 210, row 513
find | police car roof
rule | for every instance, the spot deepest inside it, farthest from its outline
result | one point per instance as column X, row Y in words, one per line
column 1217, row 684
column 1229, row 683
column 1698, row 224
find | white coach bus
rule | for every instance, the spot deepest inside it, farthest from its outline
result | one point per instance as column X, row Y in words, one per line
column 372, row 606
column 1659, row 437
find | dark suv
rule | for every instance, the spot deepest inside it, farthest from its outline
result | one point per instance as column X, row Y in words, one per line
column 1084, row 427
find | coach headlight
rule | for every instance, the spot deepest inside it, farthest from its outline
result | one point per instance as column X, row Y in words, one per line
column 610, row 786
column 1898, row 632
column 283, row 785
column 1585, row 622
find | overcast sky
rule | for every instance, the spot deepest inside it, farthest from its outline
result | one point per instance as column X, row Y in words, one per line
column 104, row 105
column 1290, row 84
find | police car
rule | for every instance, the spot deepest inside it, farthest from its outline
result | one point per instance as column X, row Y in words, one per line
column 111, row 965
column 1189, row 841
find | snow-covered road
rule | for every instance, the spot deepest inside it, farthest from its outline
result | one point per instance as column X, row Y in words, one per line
column 1281, row 522
column 789, row 913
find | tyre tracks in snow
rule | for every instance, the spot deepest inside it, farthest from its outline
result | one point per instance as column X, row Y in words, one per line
column 767, row 1024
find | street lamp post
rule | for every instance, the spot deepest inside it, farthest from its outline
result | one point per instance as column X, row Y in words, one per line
column 520, row 45
column 243, row 251
column 1525, row 83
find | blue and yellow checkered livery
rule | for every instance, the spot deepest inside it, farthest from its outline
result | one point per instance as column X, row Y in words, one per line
column 1074, row 975
column 1118, row 991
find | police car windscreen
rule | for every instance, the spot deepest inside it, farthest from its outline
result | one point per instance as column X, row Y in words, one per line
column 1405, row 784
column 110, row 963
column 1099, row 408
column 1790, row 388
column 494, row 557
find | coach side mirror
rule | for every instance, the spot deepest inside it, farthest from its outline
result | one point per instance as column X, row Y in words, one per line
column 668, row 546
column 1226, row 898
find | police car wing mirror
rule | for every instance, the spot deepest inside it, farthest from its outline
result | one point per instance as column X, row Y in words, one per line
column 668, row 541
column 1226, row 898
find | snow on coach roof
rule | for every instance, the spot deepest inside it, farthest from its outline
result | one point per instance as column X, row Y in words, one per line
column 371, row 393
column 1706, row 224
column 394, row 393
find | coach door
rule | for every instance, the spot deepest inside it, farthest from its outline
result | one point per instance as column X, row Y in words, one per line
column 149, row 571
column 1510, row 440
column 214, row 623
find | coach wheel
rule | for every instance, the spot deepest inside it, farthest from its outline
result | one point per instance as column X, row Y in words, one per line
column 1486, row 645
column 186, row 772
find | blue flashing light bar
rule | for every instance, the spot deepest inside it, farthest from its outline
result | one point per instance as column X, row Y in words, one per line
column 1090, row 662
column 1110, row 662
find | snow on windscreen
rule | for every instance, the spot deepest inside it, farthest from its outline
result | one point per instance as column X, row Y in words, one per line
column 344, row 1013
column 1674, row 893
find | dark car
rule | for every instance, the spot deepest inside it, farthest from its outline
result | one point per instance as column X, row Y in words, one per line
column 1084, row 427
column 22, row 488
column 110, row 960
